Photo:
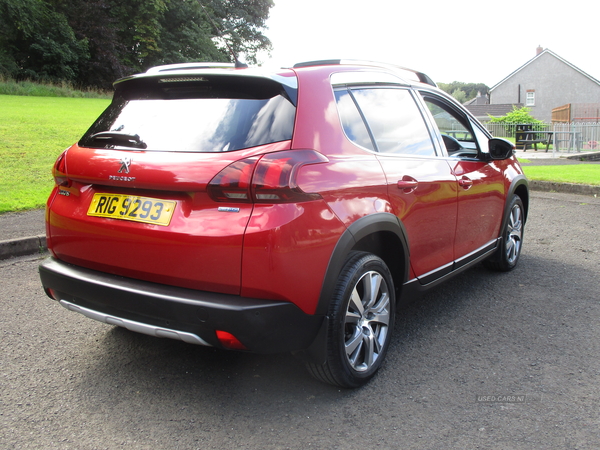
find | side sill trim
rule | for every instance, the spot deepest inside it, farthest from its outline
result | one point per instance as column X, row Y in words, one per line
column 137, row 327
column 414, row 288
column 454, row 266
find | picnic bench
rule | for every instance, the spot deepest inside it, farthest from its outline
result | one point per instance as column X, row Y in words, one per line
column 535, row 138
column 568, row 139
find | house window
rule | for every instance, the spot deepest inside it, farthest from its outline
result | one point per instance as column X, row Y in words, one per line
column 530, row 98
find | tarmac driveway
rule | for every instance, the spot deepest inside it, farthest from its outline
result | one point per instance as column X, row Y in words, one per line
column 491, row 361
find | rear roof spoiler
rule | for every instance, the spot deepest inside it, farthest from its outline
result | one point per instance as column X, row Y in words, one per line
column 189, row 66
column 420, row 76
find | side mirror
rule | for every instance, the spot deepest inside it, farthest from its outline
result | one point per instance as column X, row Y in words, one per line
column 501, row 148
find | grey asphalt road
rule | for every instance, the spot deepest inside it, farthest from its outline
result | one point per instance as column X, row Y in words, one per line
column 488, row 361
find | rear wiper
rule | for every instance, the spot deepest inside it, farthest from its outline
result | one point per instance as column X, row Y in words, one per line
column 118, row 138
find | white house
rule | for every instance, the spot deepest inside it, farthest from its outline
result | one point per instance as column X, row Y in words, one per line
column 545, row 82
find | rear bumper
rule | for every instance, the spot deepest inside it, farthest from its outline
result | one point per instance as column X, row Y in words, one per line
column 263, row 326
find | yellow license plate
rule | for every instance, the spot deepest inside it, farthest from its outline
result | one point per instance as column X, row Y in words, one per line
column 131, row 207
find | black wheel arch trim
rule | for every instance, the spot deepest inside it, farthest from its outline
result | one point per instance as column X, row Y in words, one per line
column 350, row 239
column 520, row 184
column 354, row 234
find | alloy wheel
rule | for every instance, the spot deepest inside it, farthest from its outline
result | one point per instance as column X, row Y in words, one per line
column 514, row 234
column 367, row 321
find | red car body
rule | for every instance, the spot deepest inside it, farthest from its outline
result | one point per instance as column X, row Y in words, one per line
column 253, row 240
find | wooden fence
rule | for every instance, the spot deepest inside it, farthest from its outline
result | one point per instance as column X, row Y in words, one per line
column 562, row 114
column 577, row 112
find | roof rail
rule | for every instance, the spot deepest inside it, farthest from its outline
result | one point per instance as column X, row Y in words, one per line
column 323, row 62
column 190, row 66
column 420, row 76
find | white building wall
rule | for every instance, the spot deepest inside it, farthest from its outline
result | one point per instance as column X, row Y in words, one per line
column 554, row 82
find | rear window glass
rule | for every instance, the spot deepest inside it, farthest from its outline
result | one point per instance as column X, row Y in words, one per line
column 201, row 117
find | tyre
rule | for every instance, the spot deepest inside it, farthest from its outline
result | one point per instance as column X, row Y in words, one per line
column 507, row 255
column 361, row 320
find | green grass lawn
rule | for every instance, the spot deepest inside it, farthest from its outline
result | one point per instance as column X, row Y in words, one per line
column 579, row 173
column 33, row 132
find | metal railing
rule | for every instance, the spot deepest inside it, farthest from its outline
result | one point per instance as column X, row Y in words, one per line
column 566, row 137
column 583, row 136
column 509, row 130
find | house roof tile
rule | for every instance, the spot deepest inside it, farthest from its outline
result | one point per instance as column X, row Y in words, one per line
column 483, row 111
column 550, row 52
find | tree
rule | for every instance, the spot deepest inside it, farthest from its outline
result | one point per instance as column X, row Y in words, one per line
column 470, row 89
column 92, row 20
column 93, row 42
column 187, row 36
column 139, row 28
column 38, row 43
column 241, row 25
column 459, row 95
column 517, row 115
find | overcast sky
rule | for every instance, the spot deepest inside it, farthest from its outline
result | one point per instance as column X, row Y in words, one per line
column 474, row 41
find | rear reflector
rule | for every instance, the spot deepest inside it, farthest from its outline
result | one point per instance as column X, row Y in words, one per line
column 52, row 294
column 228, row 340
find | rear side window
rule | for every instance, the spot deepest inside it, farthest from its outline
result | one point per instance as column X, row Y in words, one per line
column 352, row 122
column 390, row 115
column 211, row 115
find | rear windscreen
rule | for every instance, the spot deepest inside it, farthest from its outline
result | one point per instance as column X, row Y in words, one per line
column 210, row 115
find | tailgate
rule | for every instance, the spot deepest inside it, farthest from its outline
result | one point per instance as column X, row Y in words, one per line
column 147, row 215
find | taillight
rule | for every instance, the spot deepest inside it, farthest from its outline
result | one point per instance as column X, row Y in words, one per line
column 232, row 184
column 267, row 179
column 59, row 171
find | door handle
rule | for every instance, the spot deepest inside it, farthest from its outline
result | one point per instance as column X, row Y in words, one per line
column 465, row 182
column 407, row 184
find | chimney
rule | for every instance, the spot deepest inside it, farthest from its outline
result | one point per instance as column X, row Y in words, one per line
column 482, row 99
column 538, row 50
